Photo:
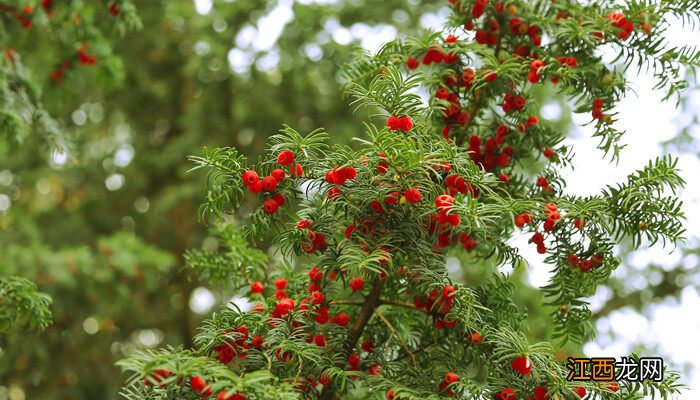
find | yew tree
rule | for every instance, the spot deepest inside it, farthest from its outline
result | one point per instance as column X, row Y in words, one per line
column 356, row 301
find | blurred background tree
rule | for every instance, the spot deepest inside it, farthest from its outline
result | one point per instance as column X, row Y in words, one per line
column 95, row 203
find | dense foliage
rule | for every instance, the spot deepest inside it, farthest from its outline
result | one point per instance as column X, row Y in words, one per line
column 357, row 302
column 93, row 166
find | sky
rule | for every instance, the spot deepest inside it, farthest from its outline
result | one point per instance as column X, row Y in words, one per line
column 648, row 121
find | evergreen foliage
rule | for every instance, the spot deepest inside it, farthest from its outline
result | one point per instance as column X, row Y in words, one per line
column 441, row 173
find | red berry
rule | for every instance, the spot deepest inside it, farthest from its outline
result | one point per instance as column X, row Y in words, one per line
column 315, row 274
column 449, row 291
column 537, row 238
column 393, row 122
column 278, row 174
column 519, row 102
column 349, row 230
column 522, row 364
column 256, row 187
column 354, row 360
column 285, row 157
column 279, row 199
column 350, row 172
column 412, row 63
column 321, row 315
column 114, row 9
column 334, row 193
column 324, row 379
column 198, row 384
column 535, row 65
column 532, row 77
column 280, row 294
column 451, row 377
column 281, row 283
column 158, row 376
column 317, row 297
column 540, row 393
column 285, row 306
column 506, row 394
column 320, row 340
column 580, row 391
column 413, row 195
column 549, row 153
column 269, row 183
column 383, row 167
column 257, row 341
column 453, row 219
column 342, row 319
column 296, row 170
column 270, row 206
column 573, row 260
column 392, row 198
column 475, row 338
column 479, row 8
column 250, row 177
column 490, row 76
column 367, row 346
column 314, row 287
column 613, row 387
column 256, row 287
column 304, row 224
column 444, row 201
column 585, row 265
column 356, row 284
column 405, row 123
column 390, row 395
column 376, row 207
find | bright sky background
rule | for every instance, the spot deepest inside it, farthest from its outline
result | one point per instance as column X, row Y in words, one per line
column 672, row 326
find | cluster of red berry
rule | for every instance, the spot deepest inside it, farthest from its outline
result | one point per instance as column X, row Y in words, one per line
column 540, row 393
column 269, row 183
column 237, row 347
column 56, row 76
column 585, row 264
column 597, row 112
column 454, row 114
column 475, row 338
column 552, row 217
column 197, row 383
column 523, row 365
column 200, row 385
column 491, row 30
column 314, row 240
column 438, row 304
column 619, row 21
column 24, row 15
column 339, row 176
column 395, row 123
column 450, row 378
column 496, row 152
